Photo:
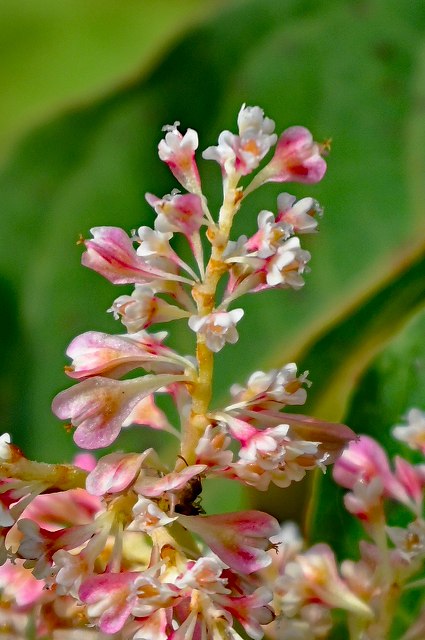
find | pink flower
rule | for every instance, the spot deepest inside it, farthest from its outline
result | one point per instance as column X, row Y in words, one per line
column 178, row 152
column 111, row 253
column 19, row 585
column 213, row 448
column 143, row 308
column 363, row 461
column 95, row 353
column 284, row 268
column 270, row 235
column 218, row 327
column 413, row 433
column 281, row 386
column 110, row 598
column 115, row 472
column 301, row 216
column 312, row 577
column 38, row 545
column 239, row 539
column 148, row 516
column 243, row 153
column 251, row 611
column 413, row 482
column 204, row 575
column 178, row 212
column 98, row 407
column 297, row 158
column 271, row 456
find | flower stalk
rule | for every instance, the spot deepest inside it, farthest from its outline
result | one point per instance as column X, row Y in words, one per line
column 119, row 545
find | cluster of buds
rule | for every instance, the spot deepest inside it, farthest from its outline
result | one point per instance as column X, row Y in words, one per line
column 119, row 546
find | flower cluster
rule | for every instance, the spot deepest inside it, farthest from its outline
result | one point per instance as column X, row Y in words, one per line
column 119, row 546
column 309, row 584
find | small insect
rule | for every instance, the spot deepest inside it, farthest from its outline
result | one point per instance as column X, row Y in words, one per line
column 188, row 499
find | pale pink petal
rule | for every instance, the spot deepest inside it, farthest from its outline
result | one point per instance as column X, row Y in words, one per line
column 147, row 413
column 365, row 460
column 111, row 253
column 153, row 487
column 239, row 539
column 114, row 473
column 251, row 611
column 109, row 599
column 410, row 478
column 178, row 152
column 179, row 212
column 98, row 407
column 95, row 353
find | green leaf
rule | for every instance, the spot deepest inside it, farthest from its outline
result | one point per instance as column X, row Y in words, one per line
column 57, row 54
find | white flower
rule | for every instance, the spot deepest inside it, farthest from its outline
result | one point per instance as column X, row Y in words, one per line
column 287, row 264
column 217, row 327
column 148, row 516
column 153, row 242
column 212, row 448
column 414, row 432
column 242, row 153
column 301, row 215
column 271, row 456
column 278, row 385
column 5, row 452
column 175, row 144
column 204, row 575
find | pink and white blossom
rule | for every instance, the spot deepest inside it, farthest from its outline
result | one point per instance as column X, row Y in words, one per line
column 94, row 353
column 213, row 448
column 285, row 267
column 312, row 577
column 413, row 433
column 271, row 456
column 143, row 308
column 148, row 516
column 178, row 212
column 263, row 389
column 178, row 152
column 301, row 216
column 242, row 153
column 111, row 253
column 297, row 158
column 239, row 539
column 218, row 327
column 365, row 460
column 270, row 235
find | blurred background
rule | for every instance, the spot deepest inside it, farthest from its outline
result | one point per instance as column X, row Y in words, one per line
column 86, row 86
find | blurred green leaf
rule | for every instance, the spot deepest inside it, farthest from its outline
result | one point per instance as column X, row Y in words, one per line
column 93, row 165
column 59, row 53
